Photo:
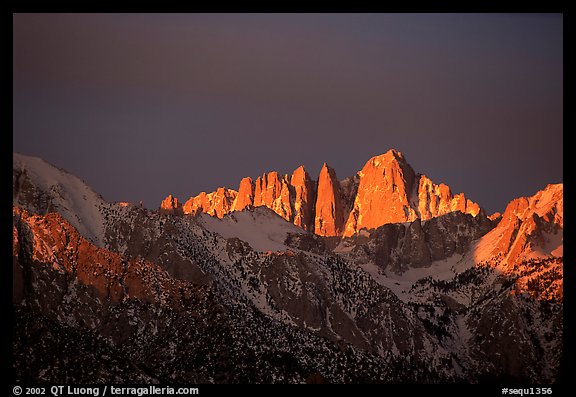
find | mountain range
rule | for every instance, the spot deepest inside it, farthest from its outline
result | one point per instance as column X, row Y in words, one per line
column 383, row 277
column 386, row 190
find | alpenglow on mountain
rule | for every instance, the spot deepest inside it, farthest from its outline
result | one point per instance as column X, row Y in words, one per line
column 383, row 277
column 386, row 190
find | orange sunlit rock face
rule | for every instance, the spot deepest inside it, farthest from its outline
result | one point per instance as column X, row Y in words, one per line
column 495, row 216
column 111, row 276
column 386, row 190
column 102, row 268
column 530, row 226
column 527, row 244
column 390, row 191
column 273, row 192
column 329, row 220
column 303, row 199
column 170, row 205
column 436, row 200
column 217, row 203
column 245, row 196
column 383, row 193
column 291, row 198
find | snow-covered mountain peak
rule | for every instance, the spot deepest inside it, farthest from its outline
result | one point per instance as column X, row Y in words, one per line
column 531, row 227
column 41, row 188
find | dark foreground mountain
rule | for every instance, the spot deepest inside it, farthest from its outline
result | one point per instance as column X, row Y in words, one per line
column 112, row 292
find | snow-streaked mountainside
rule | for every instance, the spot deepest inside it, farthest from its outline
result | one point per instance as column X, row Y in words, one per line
column 113, row 292
column 42, row 188
column 261, row 228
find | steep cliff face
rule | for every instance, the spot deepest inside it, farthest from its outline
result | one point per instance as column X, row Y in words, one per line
column 436, row 200
column 245, row 196
column 303, row 199
column 531, row 227
column 292, row 198
column 171, row 205
column 329, row 219
column 386, row 190
column 389, row 191
column 217, row 203
column 273, row 192
column 398, row 247
column 383, row 193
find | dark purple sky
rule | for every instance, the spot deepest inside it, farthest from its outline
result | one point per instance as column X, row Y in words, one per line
column 143, row 105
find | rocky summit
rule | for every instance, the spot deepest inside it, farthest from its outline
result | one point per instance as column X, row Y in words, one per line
column 386, row 190
column 381, row 277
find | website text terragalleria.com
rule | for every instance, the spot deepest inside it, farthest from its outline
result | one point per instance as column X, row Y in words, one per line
column 105, row 390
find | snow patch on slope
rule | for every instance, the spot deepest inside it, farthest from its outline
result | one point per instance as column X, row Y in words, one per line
column 553, row 245
column 445, row 269
column 260, row 227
